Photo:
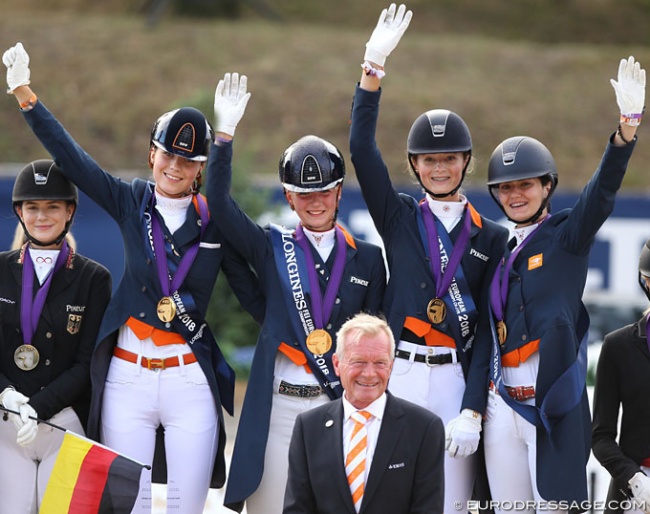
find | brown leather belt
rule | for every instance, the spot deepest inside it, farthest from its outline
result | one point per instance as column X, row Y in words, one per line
column 169, row 362
column 429, row 360
column 300, row 391
column 521, row 393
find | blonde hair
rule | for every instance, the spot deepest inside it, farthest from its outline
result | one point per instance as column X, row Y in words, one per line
column 361, row 325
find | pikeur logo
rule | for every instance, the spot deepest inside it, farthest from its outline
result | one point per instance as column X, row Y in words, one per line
column 481, row 256
column 359, row 281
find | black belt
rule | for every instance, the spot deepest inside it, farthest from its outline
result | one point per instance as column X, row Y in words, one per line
column 429, row 360
column 300, row 391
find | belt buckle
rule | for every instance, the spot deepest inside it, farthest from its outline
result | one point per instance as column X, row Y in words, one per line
column 156, row 364
column 429, row 363
column 521, row 393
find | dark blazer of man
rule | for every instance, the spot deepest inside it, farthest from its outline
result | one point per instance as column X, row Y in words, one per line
column 406, row 474
column 621, row 379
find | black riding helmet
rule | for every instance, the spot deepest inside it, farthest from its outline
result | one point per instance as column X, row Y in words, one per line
column 43, row 180
column 644, row 267
column 439, row 131
column 184, row 132
column 311, row 164
column 519, row 158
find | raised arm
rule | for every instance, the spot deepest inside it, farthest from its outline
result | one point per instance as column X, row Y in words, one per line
column 381, row 198
column 230, row 100
column 75, row 163
column 390, row 28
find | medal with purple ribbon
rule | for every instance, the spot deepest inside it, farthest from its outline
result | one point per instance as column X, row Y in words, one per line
column 443, row 275
column 499, row 288
column 319, row 341
column 166, row 308
column 26, row 356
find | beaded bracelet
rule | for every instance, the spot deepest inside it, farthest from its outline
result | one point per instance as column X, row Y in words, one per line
column 620, row 134
column 373, row 72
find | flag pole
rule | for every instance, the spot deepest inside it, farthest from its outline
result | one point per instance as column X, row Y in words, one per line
column 53, row 425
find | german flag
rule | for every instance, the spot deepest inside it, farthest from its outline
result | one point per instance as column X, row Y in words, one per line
column 89, row 478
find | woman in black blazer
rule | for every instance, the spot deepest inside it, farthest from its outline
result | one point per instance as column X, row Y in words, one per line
column 51, row 304
column 621, row 381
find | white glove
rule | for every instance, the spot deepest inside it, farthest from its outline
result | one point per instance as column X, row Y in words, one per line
column 630, row 87
column 27, row 433
column 12, row 400
column 640, row 487
column 463, row 433
column 230, row 101
column 387, row 34
column 16, row 60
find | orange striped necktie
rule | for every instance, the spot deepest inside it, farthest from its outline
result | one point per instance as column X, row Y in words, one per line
column 355, row 461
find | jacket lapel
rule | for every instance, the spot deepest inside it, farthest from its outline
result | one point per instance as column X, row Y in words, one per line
column 389, row 434
column 333, row 433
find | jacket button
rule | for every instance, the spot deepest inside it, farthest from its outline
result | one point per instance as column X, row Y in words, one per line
column 142, row 314
column 296, row 343
column 329, row 326
column 337, row 301
column 524, row 337
column 148, row 261
column 521, row 308
column 47, row 362
column 48, row 335
column 144, row 289
column 423, row 285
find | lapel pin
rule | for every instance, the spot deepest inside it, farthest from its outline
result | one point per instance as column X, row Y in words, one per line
column 329, row 423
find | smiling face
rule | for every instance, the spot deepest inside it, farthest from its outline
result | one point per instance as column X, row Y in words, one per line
column 521, row 199
column 316, row 210
column 364, row 368
column 441, row 173
column 45, row 220
column 173, row 174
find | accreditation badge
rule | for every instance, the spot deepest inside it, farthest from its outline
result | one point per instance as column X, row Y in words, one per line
column 436, row 311
column 319, row 342
column 26, row 357
column 502, row 331
column 166, row 309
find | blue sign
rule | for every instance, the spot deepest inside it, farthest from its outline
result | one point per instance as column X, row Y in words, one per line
column 613, row 260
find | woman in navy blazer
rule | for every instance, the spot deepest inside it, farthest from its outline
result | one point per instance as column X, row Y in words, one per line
column 159, row 378
column 314, row 277
column 537, row 429
column 440, row 251
column 621, row 382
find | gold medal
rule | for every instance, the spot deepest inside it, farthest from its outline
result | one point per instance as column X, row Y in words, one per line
column 319, row 342
column 26, row 357
column 166, row 309
column 502, row 331
column 436, row 311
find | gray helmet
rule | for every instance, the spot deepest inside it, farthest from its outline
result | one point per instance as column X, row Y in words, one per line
column 438, row 131
column 519, row 158
column 311, row 164
column 184, row 132
column 43, row 180
column 644, row 267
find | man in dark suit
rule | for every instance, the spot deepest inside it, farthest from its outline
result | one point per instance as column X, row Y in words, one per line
column 404, row 470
